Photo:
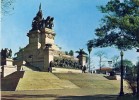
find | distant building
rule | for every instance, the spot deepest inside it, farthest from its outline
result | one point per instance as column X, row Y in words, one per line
column 104, row 70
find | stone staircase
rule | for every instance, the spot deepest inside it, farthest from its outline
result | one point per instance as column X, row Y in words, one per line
column 95, row 82
column 34, row 80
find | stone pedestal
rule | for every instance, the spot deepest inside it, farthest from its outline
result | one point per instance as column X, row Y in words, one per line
column 7, row 70
column 82, row 59
column 48, row 56
column 47, row 37
column 34, row 39
column 7, row 61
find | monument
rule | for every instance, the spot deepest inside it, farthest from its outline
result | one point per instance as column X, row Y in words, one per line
column 42, row 49
column 6, row 55
column 7, row 62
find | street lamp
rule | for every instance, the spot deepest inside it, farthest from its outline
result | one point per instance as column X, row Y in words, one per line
column 122, row 69
column 138, row 76
column 121, row 83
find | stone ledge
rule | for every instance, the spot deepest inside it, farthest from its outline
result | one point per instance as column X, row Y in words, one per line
column 49, row 31
column 65, row 70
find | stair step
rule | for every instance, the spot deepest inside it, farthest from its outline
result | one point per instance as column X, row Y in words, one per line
column 42, row 81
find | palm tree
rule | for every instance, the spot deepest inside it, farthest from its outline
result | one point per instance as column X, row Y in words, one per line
column 89, row 48
column 81, row 52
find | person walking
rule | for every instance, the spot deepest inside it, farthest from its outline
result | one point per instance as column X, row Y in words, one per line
column 50, row 67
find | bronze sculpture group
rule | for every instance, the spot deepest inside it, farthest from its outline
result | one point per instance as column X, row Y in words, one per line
column 66, row 63
column 39, row 22
column 6, row 53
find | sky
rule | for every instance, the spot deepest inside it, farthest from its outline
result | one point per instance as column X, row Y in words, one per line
column 75, row 22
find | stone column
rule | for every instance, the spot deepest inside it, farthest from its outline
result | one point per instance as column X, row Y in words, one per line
column 34, row 39
column 47, row 37
column 48, row 56
column 82, row 59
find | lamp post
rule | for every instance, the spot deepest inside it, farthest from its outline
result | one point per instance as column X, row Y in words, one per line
column 121, row 83
column 138, row 76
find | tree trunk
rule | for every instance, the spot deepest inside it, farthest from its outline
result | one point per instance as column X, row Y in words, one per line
column 100, row 64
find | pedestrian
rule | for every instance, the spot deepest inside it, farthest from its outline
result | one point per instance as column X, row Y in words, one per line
column 84, row 68
column 50, row 66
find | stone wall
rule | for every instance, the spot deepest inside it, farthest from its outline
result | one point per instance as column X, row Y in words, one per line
column 7, row 70
column 64, row 70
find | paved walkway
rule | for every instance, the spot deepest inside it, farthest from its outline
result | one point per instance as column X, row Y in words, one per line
column 61, row 94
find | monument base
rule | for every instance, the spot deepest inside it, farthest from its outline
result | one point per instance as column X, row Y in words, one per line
column 7, row 70
column 7, row 61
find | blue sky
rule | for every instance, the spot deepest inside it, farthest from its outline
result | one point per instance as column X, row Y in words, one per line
column 74, row 24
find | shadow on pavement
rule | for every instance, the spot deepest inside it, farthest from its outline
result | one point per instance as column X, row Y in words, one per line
column 26, row 96
column 57, row 97
column 45, row 96
column 88, row 97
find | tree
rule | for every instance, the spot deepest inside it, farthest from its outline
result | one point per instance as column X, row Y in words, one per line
column 81, row 52
column 101, row 55
column 119, row 28
column 71, row 53
column 7, row 6
column 130, row 74
column 89, row 48
column 114, row 60
column 127, row 65
column 66, row 52
column 131, row 80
